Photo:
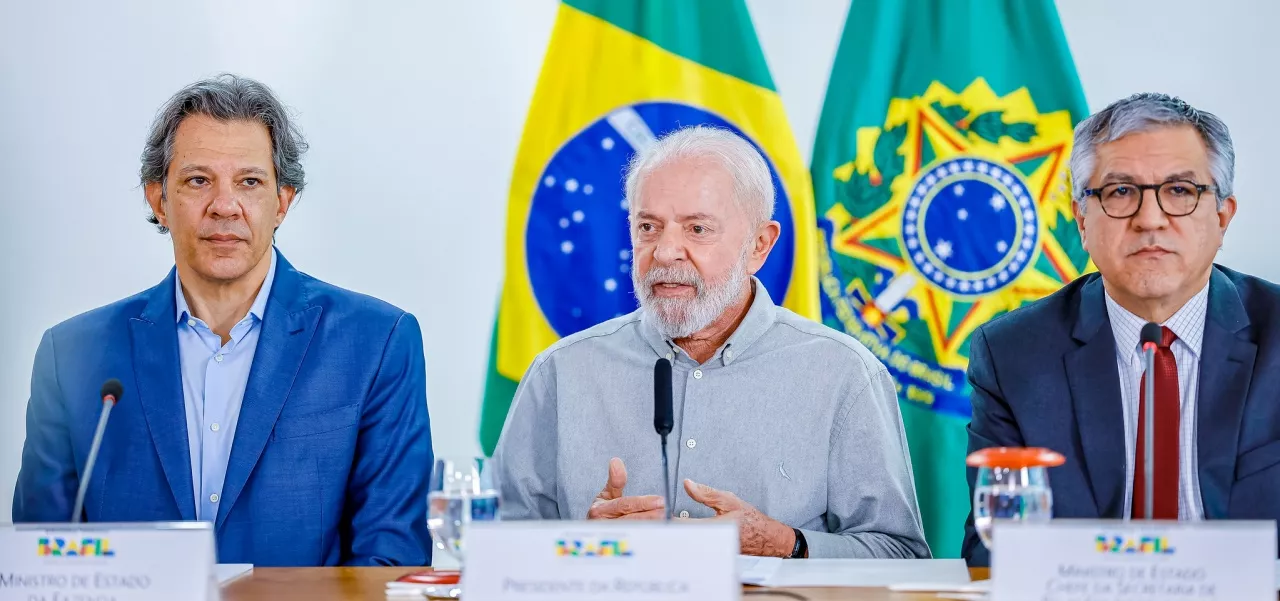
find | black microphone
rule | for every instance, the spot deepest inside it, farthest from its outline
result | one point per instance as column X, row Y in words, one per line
column 111, row 392
column 663, row 420
column 1152, row 334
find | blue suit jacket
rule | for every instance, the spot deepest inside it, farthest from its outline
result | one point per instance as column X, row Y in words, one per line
column 1046, row 376
column 329, row 461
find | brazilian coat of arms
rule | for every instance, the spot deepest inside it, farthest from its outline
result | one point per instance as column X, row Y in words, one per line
column 953, row 212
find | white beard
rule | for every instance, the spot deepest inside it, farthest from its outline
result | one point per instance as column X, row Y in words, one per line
column 680, row 318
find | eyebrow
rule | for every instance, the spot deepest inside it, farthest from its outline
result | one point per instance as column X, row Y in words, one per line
column 1185, row 175
column 191, row 169
column 1125, row 178
column 245, row 171
column 697, row 217
column 679, row 218
column 253, row 171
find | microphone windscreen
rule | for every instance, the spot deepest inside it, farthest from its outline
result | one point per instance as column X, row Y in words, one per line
column 663, row 420
column 112, row 388
column 1153, row 333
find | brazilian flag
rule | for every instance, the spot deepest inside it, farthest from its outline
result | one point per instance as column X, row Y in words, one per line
column 940, row 175
column 618, row 74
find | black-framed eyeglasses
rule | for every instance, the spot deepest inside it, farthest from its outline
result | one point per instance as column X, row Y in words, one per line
column 1176, row 198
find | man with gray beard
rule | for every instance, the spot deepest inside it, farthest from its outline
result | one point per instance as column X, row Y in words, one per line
column 781, row 423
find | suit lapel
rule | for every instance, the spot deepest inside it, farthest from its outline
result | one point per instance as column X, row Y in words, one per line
column 1226, row 366
column 1095, row 395
column 287, row 327
column 159, row 384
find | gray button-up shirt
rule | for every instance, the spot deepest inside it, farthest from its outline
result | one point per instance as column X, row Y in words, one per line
column 794, row 417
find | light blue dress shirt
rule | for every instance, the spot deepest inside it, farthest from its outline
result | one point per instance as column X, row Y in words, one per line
column 214, row 377
column 793, row 417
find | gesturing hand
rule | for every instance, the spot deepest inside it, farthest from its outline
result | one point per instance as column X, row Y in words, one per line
column 758, row 534
column 610, row 504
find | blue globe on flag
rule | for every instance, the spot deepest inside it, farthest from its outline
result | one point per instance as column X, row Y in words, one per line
column 577, row 240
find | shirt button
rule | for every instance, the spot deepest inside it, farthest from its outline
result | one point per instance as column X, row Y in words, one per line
column 684, row 514
column 214, row 426
column 217, row 358
column 191, row 322
column 697, row 374
column 691, row 443
column 213, row 498
column 728, row 354
column 669, row 356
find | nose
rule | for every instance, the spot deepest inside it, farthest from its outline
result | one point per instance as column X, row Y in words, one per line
column 1149, row 216
column 224, row 203
column 670, row 246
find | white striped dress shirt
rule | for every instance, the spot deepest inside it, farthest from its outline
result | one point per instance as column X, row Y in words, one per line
column 1188, row 324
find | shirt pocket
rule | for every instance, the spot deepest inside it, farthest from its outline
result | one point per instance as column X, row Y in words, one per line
column 319, row 422
column 1257, row 460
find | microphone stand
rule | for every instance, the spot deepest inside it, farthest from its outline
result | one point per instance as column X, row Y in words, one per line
column 666, row 478
column 663, row 424
column 1149, row 430
column 107, row 403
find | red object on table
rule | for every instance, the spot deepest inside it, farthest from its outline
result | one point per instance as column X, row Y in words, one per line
column 432, row 577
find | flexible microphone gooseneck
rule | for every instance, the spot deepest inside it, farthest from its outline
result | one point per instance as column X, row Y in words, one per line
column 663, row 421
column 1151, row 336
column 111, row 392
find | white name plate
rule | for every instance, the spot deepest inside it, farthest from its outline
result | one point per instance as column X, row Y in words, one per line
column 1079, row 560
column 108, row 562
column 604, row 561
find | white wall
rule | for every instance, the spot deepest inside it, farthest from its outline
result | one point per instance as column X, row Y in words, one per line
column 414, row 111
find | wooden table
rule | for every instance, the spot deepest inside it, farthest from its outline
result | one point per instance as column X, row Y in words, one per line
column 361, row 584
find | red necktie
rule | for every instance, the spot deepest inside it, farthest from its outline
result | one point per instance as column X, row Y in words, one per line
column 1168, row 411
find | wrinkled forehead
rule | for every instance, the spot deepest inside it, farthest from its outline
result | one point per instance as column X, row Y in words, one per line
column 685, row 188
column 203, row 139
column 1155, row 155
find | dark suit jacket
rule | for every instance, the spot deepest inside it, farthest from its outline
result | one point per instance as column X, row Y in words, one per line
column 1045, row 376
column 331, row 452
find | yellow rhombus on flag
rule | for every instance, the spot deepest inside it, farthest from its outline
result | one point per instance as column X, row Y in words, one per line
column 617, row 75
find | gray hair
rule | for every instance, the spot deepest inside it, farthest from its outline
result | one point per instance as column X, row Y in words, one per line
column 752, row 181
column 225, row 98
column 1144, row 112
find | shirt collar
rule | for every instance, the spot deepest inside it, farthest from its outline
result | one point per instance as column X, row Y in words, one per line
column 257, row 309
column 1187, row 322
column 759, row 318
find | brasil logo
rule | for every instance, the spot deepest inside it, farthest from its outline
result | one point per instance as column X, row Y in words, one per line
column 955, row 211
column 1134, row 545
column 71, row 547
column 574, row 547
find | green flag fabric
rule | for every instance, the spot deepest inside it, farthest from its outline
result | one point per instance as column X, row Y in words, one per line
column 939, row 172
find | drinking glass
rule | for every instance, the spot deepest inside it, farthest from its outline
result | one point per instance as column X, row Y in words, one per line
column 1012, row 486
column 461, row 491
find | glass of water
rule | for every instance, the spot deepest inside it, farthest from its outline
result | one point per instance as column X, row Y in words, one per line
column 1012, row 486
column 461, row 491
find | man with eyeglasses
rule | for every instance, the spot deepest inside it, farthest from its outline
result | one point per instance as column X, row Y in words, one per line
column 1152, row 182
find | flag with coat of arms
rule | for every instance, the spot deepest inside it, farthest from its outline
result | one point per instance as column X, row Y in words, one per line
column 940, row 177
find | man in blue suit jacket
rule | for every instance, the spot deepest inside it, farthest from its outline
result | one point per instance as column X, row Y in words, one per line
column 288, row 412
column 1153, row 181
